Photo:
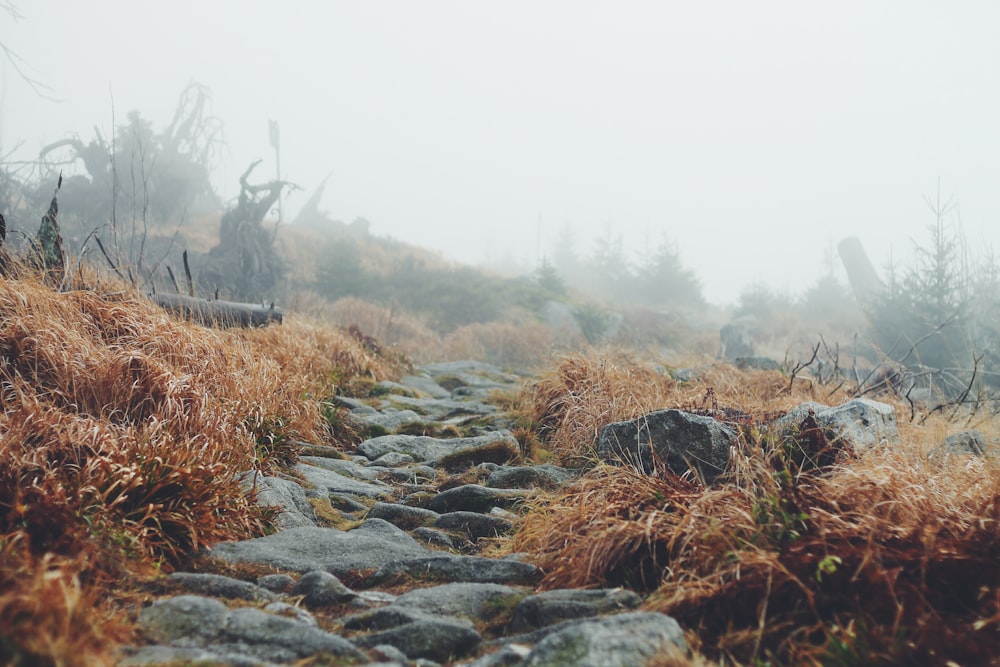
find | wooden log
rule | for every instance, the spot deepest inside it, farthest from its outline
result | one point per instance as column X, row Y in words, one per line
column 218, row 313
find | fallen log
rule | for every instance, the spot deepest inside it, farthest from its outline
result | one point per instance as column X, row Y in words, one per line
column 218, row 313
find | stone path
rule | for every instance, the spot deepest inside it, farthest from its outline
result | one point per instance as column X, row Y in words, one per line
column 355, row 533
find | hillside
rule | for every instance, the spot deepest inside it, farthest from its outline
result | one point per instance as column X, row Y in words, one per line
column 127, row 437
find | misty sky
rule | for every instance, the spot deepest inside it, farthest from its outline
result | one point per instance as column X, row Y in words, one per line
column 754, row 134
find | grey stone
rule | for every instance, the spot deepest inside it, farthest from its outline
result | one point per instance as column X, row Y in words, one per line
column 290, row 499
column 321, row 589
column 333, row 482
column 419, row 474
column 276, row 583
column 426, row 448
column 280, row 639
column 393, row 460
column 441, row 409
column 860, row 423
column 390, row 420
column 466, row 600
column 387, row 652
column 145, row 656
column 433, row 638
column 475, row 498
column 195, row 621
column 341, row 466
column 678, row 439
column 403, row 516
column 217, row 585
column 425, row 385
column 967, row 443
column 458, row 568
column 510, row 655
column 434, row 537
column 312, row 548
column 291, row 611
column 193, row 617
column 543, row 476
column 345, row 502
column 384, row 618
column 473, row 524
column 550, row 607
column 623, row 640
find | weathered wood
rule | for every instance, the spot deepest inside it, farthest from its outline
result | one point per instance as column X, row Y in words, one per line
column 218, row 313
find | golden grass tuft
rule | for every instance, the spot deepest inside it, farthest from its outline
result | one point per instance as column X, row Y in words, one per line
column 123, row 436
column 883, row 558
column 581, row 394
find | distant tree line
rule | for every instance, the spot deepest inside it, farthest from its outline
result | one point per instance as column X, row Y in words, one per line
column 658, row 278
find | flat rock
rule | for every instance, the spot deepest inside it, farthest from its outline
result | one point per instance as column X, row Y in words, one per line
column 334, row 482
column 441, row 409
column 342, row 467
column 458, row 568
column 425, row 385
column 543, row 476
column 475, row 498
column 466, row 600
column 434, row 537
column 194, row 617
column 290, row 498
column 145, row 656
column 393, row 460
column 384, row 618
column 219, row 586
column 426, row 448
column 282, row 639
column 473, row 524
column 322, row 589
column 550, row 607
column 435, row 639
column 371, row 545
column 403, row 516
column 623, row 640
column 389, row 420
column 190, row 620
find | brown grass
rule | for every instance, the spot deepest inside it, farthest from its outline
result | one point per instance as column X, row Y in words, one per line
column 122, row 435
column 881, row 559
column 581, row 394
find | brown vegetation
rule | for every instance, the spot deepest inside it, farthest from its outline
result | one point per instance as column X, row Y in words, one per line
column 881, row 559
column 123, row 435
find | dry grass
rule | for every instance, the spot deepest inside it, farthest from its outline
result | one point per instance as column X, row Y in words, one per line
column 122, row 435
column 580, row 395
column 523, row 346
column 880, row 559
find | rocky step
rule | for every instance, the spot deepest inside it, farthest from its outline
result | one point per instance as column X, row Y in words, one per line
column 382, row 521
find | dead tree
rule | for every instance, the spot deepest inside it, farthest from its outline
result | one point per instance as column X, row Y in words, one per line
column 245, row 265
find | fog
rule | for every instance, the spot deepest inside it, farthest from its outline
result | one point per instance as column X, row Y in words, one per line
column 754, row 135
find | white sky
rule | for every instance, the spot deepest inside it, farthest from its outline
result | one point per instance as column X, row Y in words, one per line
column 754, row 134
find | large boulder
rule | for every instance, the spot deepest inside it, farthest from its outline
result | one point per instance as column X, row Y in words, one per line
column 680, row 440
column 857, row 425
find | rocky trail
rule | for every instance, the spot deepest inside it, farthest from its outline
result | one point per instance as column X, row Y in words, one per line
column 376, row 560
